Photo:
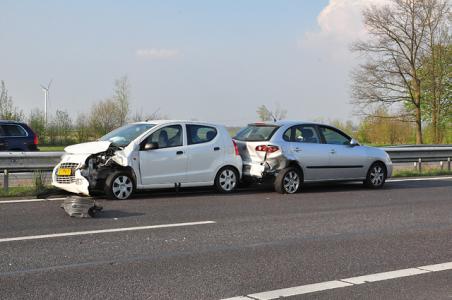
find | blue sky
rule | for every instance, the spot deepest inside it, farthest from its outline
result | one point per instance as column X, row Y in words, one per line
column 209, row 60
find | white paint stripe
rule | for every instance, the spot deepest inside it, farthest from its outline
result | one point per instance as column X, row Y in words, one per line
column 385, row 276
column 239, row 298
column 31, row 200
column 328, row 285
column 55, row 235
column 420, row 179
column 438, row 267
column 300, row 290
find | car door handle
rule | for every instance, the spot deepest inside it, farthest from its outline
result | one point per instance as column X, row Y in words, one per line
column 180, row 152
column 297, row 149
column 333, row 151
column 216, row 149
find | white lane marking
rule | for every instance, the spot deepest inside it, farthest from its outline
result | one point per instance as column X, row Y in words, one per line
column 328, row 285
column 30, row 200
column 385, row 276
column 75, row 233
column 300, row 290
column 438, row 267
column 420, row 179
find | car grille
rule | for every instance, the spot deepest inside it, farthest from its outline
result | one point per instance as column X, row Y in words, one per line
column 67, row 179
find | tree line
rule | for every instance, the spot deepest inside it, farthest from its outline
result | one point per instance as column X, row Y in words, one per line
column 62, row 129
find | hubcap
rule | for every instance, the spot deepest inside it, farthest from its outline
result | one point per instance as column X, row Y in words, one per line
column 377, row 175
column 122, row 187
column 291, row 182
column 228, row 180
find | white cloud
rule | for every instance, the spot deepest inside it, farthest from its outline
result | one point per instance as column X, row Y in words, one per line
column 155, row 53
column 340, row 24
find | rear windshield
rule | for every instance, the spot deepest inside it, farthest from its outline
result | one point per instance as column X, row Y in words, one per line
column 256, row 133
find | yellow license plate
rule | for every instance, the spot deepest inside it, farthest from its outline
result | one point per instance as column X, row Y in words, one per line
column 64, row 172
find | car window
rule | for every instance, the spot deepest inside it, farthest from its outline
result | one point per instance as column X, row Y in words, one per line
column 302, row 134
column 256, row 132
column 14, row 131
column 197, row 134
column 166, row 137
column 334, row 137
column 122, row 136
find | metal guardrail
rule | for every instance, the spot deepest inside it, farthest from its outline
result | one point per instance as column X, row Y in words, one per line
column 16, row 162
column 13, row 162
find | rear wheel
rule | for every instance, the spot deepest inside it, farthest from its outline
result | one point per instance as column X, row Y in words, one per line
column 119, row 186
column 376, row 176
column 288, row 181
column 226, row 180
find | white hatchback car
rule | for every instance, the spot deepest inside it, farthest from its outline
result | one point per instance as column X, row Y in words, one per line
column 149, row 155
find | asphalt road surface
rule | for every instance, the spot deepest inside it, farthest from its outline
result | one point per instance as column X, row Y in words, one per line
column 253, row 244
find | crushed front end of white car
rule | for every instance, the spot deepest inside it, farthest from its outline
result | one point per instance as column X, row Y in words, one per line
column 84, row 167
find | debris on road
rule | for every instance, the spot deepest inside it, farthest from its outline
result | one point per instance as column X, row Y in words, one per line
column 81, row 207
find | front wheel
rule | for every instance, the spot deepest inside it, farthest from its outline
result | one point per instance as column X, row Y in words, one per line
column 288, row 181
column 226, row 180
column 376, row 176
column 119, row 186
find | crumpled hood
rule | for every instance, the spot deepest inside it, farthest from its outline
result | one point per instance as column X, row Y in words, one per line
column 88, row 148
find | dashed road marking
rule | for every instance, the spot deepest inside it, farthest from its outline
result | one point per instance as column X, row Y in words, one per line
column 342, row 283
column 77, row 233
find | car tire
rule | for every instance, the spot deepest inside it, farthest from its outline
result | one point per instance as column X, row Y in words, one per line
column 227, row 180
column 119, row 186
column 376, row 176
column 288, row 181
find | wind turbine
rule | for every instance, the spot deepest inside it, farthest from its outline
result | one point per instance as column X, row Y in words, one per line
column 46, row 96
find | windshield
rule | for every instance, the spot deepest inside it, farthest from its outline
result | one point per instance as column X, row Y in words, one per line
column 254, row 133
column 124, row 135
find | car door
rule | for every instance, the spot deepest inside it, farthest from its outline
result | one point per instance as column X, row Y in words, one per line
column 306, row 147
column 346, row 161
column 205, row 151
column 166, row 165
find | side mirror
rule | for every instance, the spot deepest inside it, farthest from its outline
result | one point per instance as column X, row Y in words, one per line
column 354, row 143
column 151, row 146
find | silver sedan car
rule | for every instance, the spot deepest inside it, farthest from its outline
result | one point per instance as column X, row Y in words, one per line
column 295, row 152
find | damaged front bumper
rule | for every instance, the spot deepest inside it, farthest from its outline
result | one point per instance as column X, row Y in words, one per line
column 75, row 183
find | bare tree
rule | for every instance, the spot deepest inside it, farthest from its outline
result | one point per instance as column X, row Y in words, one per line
column 394, row 51
column 7, row 109
column 104, row 117
column 122, row 98
column 265, row 114
column 82, row 128
column 37, row 122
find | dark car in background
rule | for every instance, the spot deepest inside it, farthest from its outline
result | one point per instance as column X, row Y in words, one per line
column 17, row 136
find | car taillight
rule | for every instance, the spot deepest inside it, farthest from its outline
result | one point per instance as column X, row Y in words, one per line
column 35, row 140
column 268, row 149
column 236, row 148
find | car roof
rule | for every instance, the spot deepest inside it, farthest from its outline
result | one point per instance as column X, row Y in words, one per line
column 286, row 123
column 161, row 122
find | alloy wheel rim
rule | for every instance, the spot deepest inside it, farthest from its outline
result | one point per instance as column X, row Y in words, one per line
column 228, row 180
column 122, row 187
column 377, row 175
column 291, row 182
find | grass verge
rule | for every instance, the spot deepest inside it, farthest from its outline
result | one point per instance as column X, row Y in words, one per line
column 51, row 148
column 18, row 191
column 415, row 173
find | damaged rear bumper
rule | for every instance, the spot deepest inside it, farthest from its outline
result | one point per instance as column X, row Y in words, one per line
column 270, row 167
